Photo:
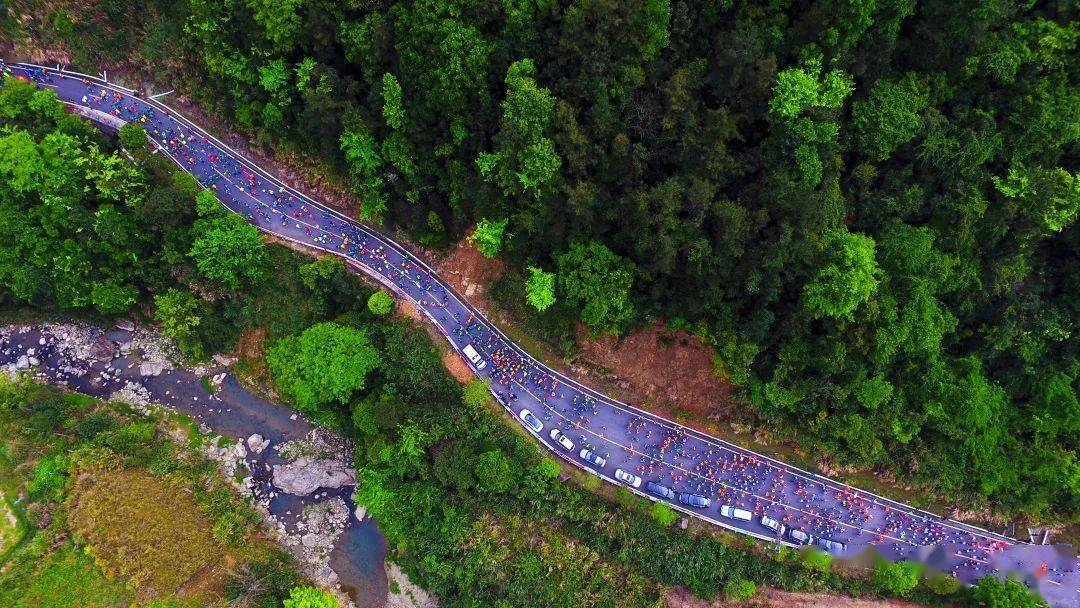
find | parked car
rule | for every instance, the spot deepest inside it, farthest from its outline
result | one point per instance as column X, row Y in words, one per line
column 831, row 546
column 800, row 537
column 592, row 458
column 474, row 356
column 531, row 421
column 694, row 500
column 731, row 512
column 660, row 490
column 774, row 525
column 628, row 478
column 560, row 438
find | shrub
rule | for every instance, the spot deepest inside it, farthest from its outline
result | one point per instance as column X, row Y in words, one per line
column 309, row 597
column 897, row 578
column 477, row 393
column 738, row 589
column 380, row 303
column 663, row 513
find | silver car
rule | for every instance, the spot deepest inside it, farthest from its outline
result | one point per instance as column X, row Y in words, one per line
column 800, row 537
column 628, row 478
column 774, row 525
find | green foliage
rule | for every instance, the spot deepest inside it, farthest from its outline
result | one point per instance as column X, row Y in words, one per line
column 848, row 278
column 540, row 288
column 488, row 236
column 229, row 251
column 325, row 364
column 49, row 477
column 597, row 281
column 802, row 88
column 663, row 513
column 739, row 589
column 380, row 303
column 133, row 136
column 309, row 597
column 477, row 393
column 898, row 578
column 942, row 584
column 819, row 561
column 110, row 297
column 180, row 313
column 526, row 160
column 993, row 593
column 392, row 109
column 279, row 20
column 889, row 118
column 493, row 472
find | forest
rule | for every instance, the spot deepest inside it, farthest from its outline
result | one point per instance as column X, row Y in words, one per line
column 867, row 207
column 98, row 226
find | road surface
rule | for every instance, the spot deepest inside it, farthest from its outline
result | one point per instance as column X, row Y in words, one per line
column 648, row 446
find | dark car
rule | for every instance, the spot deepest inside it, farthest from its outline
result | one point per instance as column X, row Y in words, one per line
column 694, row 500
column 592, row 457
column 660, row 490
column 831, row 546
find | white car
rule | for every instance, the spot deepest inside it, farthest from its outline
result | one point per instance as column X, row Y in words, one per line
column 628, row 478
column 773, row 525
column 558, row 437
column 531, row 421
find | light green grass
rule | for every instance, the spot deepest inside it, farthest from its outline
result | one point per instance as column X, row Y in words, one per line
column 62, row 578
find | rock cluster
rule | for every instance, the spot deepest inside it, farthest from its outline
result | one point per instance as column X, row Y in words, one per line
column 312, row 538
column 321, row 460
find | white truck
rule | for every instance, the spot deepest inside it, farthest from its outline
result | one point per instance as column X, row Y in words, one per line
column 733, row 513
column 474, row 356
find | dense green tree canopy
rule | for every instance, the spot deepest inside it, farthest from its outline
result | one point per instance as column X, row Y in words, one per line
column 843, row 198
column 593, row 277
column 540, row 288
column 325, row 364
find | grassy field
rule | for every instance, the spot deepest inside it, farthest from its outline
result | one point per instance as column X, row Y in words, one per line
column 118, row 513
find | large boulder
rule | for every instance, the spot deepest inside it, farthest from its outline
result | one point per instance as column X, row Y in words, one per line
column 100, row 349
column 305, row 475
column 257, row 443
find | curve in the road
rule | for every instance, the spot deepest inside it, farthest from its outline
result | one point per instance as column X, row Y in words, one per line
column 647, row 446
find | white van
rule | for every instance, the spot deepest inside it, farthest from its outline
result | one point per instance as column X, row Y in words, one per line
column 733, row 513
column 474, row 356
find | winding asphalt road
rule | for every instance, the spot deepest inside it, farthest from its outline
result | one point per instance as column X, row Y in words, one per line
column 653, row 448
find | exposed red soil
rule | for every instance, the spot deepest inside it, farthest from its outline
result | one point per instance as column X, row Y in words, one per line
column 457, row 367
column 469, row 272
column 680, row 597
column 673, row 368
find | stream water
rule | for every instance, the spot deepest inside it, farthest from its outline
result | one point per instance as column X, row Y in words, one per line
column 232, row 411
